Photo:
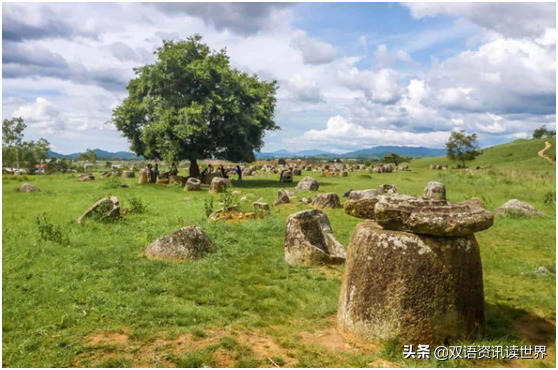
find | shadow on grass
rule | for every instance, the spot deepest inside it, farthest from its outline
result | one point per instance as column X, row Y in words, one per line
column 505, row 322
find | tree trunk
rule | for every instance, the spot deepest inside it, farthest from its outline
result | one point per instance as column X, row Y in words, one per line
column 194, row 169
column 17, row 158
column 463, row 161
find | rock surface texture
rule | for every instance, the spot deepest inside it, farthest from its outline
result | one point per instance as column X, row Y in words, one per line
column 517, row 207
column 309, row 240
column 261, row 208
column 282, row 198
column 187, row 243
column 28, row 188
column 327, row 200
column 193, row 184
column 435, row 190
column 416, row 288
column 104, row 208
column 308, row 183
column 143, row 178
column 361, row 203
column 218, row 185
column 86, row 177
column 388, row 189
column 428, row 216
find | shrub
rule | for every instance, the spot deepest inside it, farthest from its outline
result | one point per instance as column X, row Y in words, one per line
column 208, row 205
column 228, row 199
column 50, row 232
column 550, row 198
column 112, row 183
column 136, row 204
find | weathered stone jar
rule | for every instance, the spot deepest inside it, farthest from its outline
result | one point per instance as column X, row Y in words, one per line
column 415, row 287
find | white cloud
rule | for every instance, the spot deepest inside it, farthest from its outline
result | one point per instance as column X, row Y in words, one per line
column 43, row 116
column 504, row 75
column 313, row 51
column 515, row 20
column 124, row 53
column 241, row 18
column 339, row 129
column 379, row 86
column 385, row 58
column 304, row 90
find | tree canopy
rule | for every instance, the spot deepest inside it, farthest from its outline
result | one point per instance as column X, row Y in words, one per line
column 16, row 151
column 396, row 158
column 543, row 132
column 191, row 104
column 462, row 147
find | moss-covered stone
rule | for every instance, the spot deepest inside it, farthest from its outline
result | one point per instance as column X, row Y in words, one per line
column 414, row 288
column 430, row 216
column 187, row 243
column 327, row 200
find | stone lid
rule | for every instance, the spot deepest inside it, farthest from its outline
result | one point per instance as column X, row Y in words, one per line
column 430, row 216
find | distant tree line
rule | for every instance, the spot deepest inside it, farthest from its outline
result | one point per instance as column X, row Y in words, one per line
column 18, row 153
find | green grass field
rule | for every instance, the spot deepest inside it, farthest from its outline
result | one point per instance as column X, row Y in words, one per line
column 89, row 298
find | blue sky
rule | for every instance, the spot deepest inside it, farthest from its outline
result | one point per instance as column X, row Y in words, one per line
column 351, row 75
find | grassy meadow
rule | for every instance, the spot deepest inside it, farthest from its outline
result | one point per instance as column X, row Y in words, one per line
column 83, row 294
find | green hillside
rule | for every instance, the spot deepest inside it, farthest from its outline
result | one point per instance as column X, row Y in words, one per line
column 518, row 154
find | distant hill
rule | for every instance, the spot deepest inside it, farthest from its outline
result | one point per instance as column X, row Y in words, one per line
column 407, row 151
column 518, row 154
column 376, row 152
column 285, row 153
column 101, row 154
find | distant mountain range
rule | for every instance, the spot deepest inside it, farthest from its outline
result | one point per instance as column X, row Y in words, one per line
column 375, row 152
column 101, row 154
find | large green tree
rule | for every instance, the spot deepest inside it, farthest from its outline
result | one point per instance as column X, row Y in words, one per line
column 191, row 104
column 12, row 136
column 462, row 147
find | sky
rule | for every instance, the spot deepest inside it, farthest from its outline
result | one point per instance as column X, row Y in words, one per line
column 351, row 75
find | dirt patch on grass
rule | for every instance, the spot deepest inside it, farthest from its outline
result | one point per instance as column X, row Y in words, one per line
column 107, row 339
column 105, row 348
column 336, row 341
column 333, row 273
column 330, row 339
column 266, row 349
column 381, row 363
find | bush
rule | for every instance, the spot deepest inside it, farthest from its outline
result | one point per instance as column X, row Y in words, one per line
column 228, row 199
column 208, row 205
column 112, row 183
column 550, row 198
column 50, row 232
column 136, row 204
